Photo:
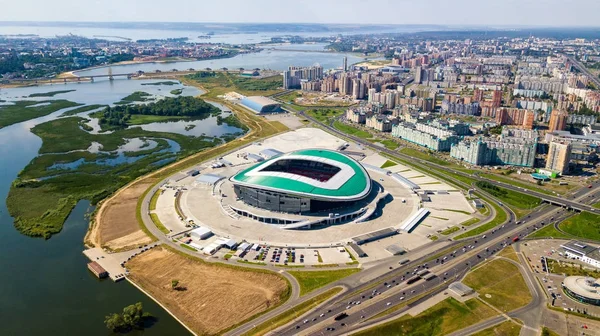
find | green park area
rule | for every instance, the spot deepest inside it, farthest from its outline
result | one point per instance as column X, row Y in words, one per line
column 389, row 144
column 351, row 130
column 427, row 156
column 219, row 83
column 138, row 96
column 549, row 231
column 26, row 110
column 388, row 164
column 442, row 319
column 500, row 284
column 583, row 225
column 507, row 328
column 500, row 217
column 291, row 314
column 311, row 280
column 325, row 115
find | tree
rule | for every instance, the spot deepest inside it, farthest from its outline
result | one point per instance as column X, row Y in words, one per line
column 174, row 284
column 114, row 322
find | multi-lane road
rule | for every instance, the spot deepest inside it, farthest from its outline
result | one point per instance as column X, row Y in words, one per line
column 583, row 69
column 361, row 305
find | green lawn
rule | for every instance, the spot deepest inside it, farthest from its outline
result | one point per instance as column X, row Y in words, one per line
column 158, row 223
column 24, row 110
column 352, row 130
column 549, row 332
column 520, row 203
column 325, row 115
column 450, row 230
column 500, row 218
column 388, row 163
column 311, row 280
column 442, row 319
column 549, row 231
column 507, row 328
column 596, row 205
column 154, row 200
column 424, row 156
column 584, row 225
column 390, row 144
column 500, row 284
column 291, row 314
column 470, row 222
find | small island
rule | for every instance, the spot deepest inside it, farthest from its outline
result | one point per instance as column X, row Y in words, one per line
column 119, row 117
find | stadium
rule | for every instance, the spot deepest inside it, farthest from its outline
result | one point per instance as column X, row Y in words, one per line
column 303, row 181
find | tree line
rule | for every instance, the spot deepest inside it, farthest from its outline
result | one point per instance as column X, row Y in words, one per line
column 168, row 107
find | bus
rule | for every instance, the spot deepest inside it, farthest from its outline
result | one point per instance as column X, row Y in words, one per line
column 341, row 316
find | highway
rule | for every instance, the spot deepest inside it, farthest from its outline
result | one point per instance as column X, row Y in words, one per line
column 447, row 268
column 583, row 70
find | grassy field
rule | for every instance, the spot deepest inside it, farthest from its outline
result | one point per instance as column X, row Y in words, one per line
column 325, row 115
column 584, row 225
column 140, row 119
column 24, row 110
column 390, row 144
column 154, row 200
column 311, row 280
column 424, row 156
column 500, row 284
column 567, row 268
column 291, row 314
column 450, row 230
column 549, row 231
column 507, row 328
column 470, row 222
column 388, row 163
column 520, row 203
column 219, row 83
column 548, row 332
column 500, row 218
column 442, row 319
column 351, row 130
column 158, row 223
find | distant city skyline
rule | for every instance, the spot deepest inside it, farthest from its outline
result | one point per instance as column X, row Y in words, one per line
column 458, row 12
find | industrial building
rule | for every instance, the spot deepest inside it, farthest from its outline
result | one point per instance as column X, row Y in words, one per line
column 260, row 104
column 303, row 181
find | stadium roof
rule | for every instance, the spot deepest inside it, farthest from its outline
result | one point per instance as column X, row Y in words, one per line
column 351, row 182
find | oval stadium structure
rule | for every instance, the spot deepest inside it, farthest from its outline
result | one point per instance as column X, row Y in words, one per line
column 310, row 180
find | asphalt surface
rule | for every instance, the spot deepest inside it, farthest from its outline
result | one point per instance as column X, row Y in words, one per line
column 584, row 70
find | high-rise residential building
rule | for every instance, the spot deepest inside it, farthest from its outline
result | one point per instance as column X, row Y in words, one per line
column 515, row 116
column 418, row 75
column 558, row 120
column 477, row 95
column 558, row 157
column 371, row 94
column 293, row 76
column 345, row 64
column 497, row 98
column 506, row 151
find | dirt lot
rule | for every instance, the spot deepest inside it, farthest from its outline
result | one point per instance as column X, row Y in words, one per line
column 215, row 297
column 116, row 223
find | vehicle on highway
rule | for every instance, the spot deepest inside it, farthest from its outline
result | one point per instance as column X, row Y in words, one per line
column 340, row 317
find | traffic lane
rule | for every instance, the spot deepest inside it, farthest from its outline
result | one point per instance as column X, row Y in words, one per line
column 338, row 308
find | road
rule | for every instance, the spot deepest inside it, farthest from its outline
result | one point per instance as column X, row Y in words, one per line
column 583, row 69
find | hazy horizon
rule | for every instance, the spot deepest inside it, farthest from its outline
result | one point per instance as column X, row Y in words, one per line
column 468, row 13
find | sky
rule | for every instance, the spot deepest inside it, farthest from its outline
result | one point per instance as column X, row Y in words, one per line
column 445, row 12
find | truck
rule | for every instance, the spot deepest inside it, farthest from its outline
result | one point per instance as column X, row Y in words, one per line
column 413, row 280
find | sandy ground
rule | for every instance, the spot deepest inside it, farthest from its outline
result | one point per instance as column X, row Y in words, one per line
column 116, row 223
column 214, row 298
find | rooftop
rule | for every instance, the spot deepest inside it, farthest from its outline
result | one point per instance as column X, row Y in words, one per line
column 344, row 179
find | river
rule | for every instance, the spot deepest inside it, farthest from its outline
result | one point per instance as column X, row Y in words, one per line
column 46, row 288
column 266, row 59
